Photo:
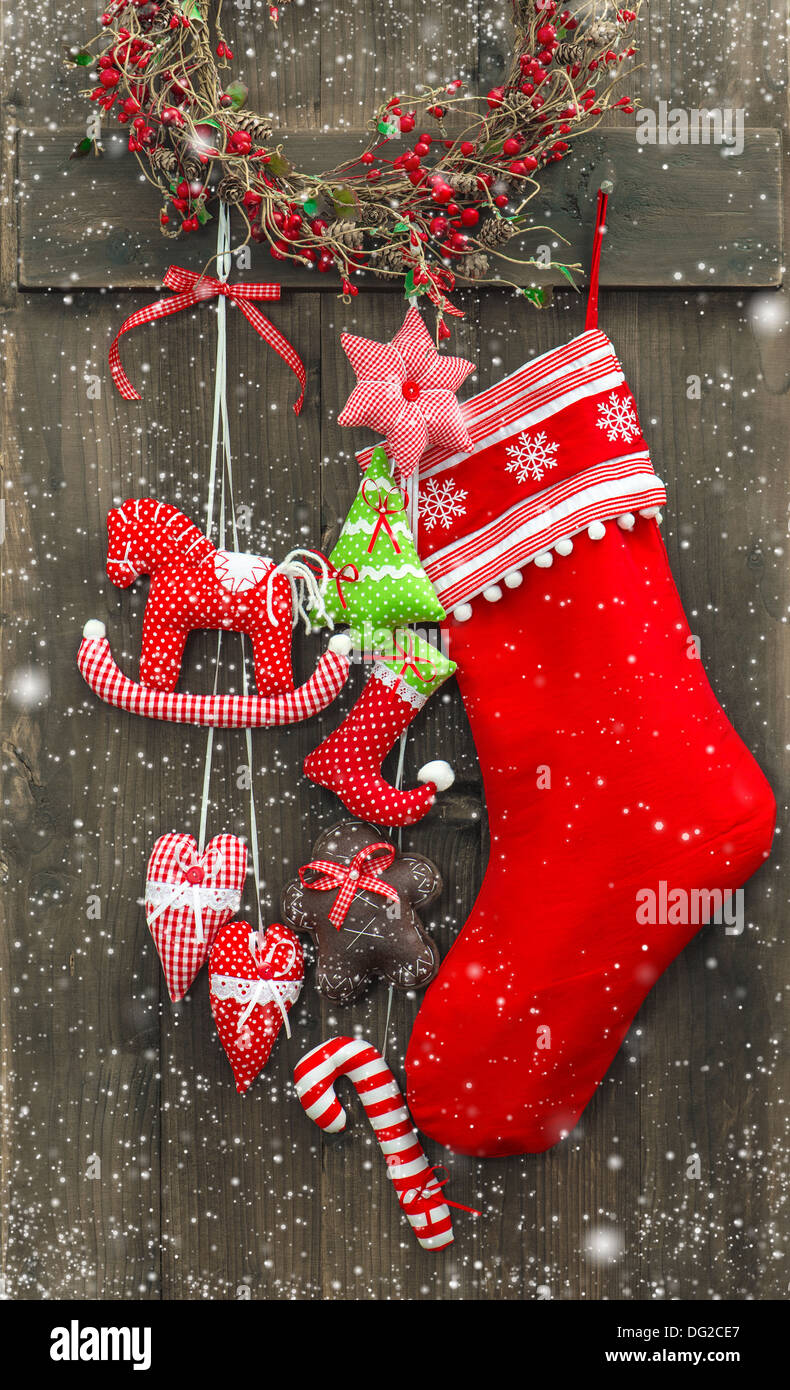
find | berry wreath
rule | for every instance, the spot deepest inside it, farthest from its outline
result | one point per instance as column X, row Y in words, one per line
column 435, row 212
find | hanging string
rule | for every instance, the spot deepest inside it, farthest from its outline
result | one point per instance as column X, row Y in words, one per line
column 414, row 514
column 220, row 434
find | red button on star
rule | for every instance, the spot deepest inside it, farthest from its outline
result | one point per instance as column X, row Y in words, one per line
column 407, row 391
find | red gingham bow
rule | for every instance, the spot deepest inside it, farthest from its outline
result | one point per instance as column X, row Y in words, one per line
column 190, row 289
column 362, row 873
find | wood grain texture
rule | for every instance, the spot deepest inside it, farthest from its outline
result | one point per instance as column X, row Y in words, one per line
column 201, row 1194
column 690, row 215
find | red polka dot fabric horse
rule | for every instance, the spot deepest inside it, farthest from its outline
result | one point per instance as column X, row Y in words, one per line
column 194, row 585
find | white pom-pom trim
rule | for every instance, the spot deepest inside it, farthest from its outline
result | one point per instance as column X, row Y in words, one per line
column 514, row 579
column 596, row 531
column 340, row 644
column 627, row 521
column 650, row 512
column 493, row 593
column 564, row 547
column 94, row 628
column 462, row 612
column 439, row 772
column 544, row 561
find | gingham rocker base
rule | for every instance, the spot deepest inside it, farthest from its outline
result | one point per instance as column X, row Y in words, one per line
column 105, row 678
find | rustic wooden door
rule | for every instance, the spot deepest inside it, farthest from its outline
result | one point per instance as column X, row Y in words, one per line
column 129, row 1167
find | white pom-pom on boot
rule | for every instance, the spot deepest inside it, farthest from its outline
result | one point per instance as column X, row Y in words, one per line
column 94, row 628
column 439, row 772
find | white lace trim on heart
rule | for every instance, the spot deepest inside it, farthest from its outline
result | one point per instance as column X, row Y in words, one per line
column 241, row 991
column 393, row 681
column 178, row 895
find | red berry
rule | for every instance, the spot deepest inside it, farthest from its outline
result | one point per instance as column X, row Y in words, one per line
column 459, row 241
column 518, row 167
column 546, row 34
column 438, row 225
column 511, row 146
column 470, row 217
column 495, row 97
column 109, row 77
column 501, row 200
column 467, row 148
column 407, row 124
column 367, row 157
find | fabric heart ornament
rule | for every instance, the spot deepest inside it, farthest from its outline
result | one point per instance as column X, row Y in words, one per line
column 188, row 897
column 254, row 979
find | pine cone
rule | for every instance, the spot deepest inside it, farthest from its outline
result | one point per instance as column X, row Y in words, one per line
column 374, row 215
column 231, row 190
column 465, row 184
column 569, row 53
column 473, row 267
column 496, row 232
column 386, row 260
column 347, row 233
column 258, row 129
column 164, row 161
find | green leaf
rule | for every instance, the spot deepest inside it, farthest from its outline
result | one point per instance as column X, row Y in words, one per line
column 202, row 214
column 84, row 147
column 311, row 207
column 402, row 227
column 344, row 202
column 535, row 295
column 563, row 269
column 238, row 93
column 409, row 287
column 278, row 165
column 79, row 57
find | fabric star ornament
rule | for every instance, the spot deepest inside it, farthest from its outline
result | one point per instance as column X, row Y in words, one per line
column 407, row 390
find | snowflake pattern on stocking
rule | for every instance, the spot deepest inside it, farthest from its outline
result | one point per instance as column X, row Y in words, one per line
column 441, row 503
column 531, row 456
column 618, row 417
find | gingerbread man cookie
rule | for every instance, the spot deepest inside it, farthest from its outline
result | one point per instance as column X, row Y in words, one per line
column 357, row 899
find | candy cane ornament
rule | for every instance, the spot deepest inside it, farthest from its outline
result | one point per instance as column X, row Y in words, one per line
column 419, row 1191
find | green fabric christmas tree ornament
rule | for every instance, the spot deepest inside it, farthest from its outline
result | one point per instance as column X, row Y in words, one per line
column 377, row 581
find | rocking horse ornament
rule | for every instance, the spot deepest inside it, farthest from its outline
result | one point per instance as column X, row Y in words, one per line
column 194, row 585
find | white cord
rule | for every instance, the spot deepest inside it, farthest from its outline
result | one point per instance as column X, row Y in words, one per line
column 221, row 430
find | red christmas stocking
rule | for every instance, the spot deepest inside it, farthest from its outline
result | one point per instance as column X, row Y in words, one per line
column 348, row 762
column 609, row 767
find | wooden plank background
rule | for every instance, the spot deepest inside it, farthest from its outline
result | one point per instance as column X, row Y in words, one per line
column 128, row 1165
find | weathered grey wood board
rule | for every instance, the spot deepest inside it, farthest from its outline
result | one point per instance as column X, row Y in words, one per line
column 681, row 215
column 128, row 1165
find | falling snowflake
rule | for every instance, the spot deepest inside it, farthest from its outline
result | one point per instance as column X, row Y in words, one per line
column 618, row 418
column 531, row 456
column 441, row 503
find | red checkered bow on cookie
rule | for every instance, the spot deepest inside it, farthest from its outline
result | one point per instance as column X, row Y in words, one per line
column 361, row 875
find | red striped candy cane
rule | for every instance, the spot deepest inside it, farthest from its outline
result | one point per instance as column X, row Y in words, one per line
column 419, row 1193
